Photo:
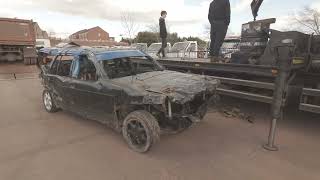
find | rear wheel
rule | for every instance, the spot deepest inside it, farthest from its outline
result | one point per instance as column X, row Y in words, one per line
column 141, row 130
column 48, row 102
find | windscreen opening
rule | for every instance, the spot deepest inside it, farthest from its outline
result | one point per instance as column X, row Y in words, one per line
column 128, row 66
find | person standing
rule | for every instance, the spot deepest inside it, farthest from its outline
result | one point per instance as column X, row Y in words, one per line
column 163, row 34
column 219, row 18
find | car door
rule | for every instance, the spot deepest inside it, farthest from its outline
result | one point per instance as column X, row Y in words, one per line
column 58, row 84
column 90, row 92
column 63, row 81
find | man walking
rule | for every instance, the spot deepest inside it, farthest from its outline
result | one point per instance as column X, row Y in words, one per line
column 219, row 18
column 163, row 34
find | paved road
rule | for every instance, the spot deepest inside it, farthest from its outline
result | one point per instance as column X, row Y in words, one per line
column 36, row 145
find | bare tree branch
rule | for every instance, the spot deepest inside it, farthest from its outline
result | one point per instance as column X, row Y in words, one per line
column 129, row 24
column 309, row 20
column 154, row 28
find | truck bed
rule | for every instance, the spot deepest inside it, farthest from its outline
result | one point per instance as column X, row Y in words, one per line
column 16, row 32
column 202, row 64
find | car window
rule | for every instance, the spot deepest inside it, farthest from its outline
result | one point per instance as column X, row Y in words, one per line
column 54, row 65
column 84, row 69
column 122, row 67
column 64, row 66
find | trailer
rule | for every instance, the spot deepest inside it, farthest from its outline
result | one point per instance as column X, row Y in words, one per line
column 265, row 72
column 17, row 41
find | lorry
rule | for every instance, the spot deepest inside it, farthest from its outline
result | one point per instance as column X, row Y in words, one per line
column 17, row 41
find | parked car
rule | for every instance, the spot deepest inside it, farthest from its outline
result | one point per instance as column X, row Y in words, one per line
column 126, row 90
column 186, row 49
column 229, row 46
column 140, row 46
column 154, row 48
column 42, row 43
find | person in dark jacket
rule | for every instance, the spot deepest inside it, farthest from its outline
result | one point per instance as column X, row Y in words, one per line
column 219, row 18
column 163, row 34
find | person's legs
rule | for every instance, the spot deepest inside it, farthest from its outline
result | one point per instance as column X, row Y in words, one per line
column 212, row 41
column 221, row 32
column 163, row 47
column 158, row 53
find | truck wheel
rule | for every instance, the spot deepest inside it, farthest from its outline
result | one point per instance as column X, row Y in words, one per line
column 48, row 102
column 26, row 61
column 316, row 67
column 141, row 130
column 33, row 61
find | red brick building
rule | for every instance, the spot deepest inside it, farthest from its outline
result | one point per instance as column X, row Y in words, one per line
column 92, row 34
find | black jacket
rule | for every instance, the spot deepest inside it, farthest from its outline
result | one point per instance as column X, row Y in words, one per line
column 219, row 11
column 163, row 28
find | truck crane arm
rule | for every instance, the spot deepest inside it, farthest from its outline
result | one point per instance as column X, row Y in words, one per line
column 255, row 5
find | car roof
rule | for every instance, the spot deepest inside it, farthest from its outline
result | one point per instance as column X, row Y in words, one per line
column 100, row 53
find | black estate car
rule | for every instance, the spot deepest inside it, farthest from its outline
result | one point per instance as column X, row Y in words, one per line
column 126, row 90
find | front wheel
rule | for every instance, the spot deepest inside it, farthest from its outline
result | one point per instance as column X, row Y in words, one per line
column 48, row 102
column 141, row 130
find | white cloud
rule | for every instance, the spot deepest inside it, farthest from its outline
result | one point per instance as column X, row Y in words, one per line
column 241, row 5
column 144, row 10
column 316, row 6
column 185, row 19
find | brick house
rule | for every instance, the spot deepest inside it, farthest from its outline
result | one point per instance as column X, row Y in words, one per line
column 40, row 34
column 92, row 34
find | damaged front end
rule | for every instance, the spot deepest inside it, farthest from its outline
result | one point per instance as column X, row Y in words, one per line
column 180, row 102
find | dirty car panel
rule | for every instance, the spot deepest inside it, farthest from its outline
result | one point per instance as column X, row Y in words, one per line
column 107, row 86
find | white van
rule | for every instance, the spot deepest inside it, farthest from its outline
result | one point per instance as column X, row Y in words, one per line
column 43, row 43
column 186, row 49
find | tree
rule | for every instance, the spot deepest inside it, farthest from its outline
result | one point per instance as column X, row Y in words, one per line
column 126, row 40
column 308, row 20
column 147, row 37
column 173, row 38
column 201, row 43
column 129, row 24
column 207, row 30
column 154, row 28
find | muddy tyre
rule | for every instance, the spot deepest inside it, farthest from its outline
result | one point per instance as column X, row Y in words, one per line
column 48, row 102
column 26, row 61
column 141, row 131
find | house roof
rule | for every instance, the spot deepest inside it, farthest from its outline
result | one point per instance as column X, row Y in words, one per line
column 86, row 30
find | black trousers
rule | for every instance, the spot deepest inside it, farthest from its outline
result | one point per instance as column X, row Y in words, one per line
column 163, row 47
column 218, row 33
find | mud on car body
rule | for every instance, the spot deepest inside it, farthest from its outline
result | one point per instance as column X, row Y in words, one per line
column 126, row 90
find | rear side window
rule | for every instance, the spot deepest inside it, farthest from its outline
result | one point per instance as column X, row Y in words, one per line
column 84, row 69
column 54, row 65
column 65, row 66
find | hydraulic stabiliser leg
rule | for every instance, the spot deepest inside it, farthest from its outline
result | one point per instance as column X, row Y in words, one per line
column 284, row 62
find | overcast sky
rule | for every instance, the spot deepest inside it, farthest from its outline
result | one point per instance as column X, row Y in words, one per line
column 186, row 17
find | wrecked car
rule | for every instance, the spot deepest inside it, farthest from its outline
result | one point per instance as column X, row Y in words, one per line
column 127, row 90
